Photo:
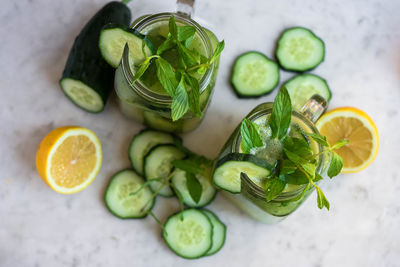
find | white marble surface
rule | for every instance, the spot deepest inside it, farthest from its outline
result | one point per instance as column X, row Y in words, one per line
column 39, row 227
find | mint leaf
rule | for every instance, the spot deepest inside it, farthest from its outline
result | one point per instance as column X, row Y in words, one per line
column 187, row 166
column 273, row 187
column 299, row 146
column 180, row 101
column 339, row 144
column 189, row 57
column 287, row 167
column 166, row 45
column 166, row 76
column 189, row 41
column 194, row 95
column 298, row 160
column 194, row 187
column 202, row 70
column 309, row 168
column 306, row 165
column 318, row 177
column 321, row 199
column 298, row 177
column 203, row 59
column 185, row 32
column 217, row 52
column 335, row 165
column 320, row 139
column 250, row 136
column 279, row 121
column 141, row 70
column 173, row 29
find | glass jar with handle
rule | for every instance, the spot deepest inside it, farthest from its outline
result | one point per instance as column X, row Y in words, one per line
column 252, row 198
column 146, row 100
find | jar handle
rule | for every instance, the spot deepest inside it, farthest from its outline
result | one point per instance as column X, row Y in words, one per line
column 314, row 108
column 185, row 7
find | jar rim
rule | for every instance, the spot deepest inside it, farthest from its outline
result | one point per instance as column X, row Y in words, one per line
column 259, row 191
column 142, row 90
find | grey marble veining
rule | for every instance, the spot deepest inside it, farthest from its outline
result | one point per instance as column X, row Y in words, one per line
column 39, row 227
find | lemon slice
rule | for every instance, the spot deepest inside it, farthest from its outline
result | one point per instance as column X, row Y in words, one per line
column 69, row 158
column 356, row 126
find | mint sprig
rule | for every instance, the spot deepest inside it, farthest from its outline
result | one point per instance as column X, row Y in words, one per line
column 179, row 81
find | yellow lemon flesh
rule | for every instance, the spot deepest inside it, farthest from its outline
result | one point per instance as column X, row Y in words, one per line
column 69, row 158
column 358, row 128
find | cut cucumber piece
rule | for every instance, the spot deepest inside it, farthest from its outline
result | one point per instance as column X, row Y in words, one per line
column 299, row 49
column 143, row 142
column 227, row 172
column 208, row 192
column 87, row 79
column 302, row 87
column 113, row 38
column 119, row 201
column 188, row 234
column 158, row 164
column 254, row 75
column 219, row 232
column 82, row 95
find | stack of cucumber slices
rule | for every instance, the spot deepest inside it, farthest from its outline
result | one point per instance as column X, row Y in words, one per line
column 154, row 155
column 298, row 50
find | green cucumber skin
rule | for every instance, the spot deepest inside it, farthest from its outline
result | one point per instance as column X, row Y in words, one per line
column 112, row 212
column 164, row 235
column 297, row 70
column 177, row 139
column 310, row 74
column 238, row 94
column 85, row 62
column 224, row 227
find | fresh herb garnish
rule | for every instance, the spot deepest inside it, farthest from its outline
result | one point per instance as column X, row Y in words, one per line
column 250, row 136
column 281, row 115
column 178, row 81
column 298, row 164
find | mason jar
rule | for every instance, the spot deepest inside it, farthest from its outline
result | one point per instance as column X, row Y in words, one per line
column 251, row 199
column 153, row 107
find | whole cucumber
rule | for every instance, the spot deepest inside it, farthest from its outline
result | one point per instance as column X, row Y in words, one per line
column 87, row 78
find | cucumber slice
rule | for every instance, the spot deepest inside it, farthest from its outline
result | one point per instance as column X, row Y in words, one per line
column 188, row 234
column 208, row 192
column 158, row 164
column 299, row 49
column 143, row 142
column 113, row 38
column 219, row 233
column 119, row 201
column 87, row 79
column 82, row 95
column 227, row 172
column 254, row 75
column 302, row 87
